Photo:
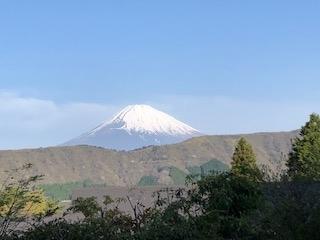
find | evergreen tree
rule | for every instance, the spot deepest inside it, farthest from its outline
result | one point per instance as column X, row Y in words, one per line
column 304, row 160
column 244, row 161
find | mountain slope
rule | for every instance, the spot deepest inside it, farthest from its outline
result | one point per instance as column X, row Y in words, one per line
column 78, row 163
column 134, row 127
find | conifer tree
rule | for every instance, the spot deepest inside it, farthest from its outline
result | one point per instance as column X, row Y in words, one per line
column 304, row 160
column 244, row 161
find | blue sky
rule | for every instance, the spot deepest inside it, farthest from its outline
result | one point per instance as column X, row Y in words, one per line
column 221, row 66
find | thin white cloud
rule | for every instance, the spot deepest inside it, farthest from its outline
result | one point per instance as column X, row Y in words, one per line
column 31, row 122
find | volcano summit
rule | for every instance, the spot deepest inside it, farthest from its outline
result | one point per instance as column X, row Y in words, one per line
column 134, row 127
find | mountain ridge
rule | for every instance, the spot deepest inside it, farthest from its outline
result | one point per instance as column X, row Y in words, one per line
column 126, row 168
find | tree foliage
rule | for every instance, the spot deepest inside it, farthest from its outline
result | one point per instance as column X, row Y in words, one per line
column 304, row 160
column 244, row 162
column 219, row 206
column 20, row 201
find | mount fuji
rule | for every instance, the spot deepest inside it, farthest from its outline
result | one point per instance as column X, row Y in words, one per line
column 134, row 127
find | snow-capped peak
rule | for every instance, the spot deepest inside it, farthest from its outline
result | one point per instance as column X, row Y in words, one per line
column 145, row 119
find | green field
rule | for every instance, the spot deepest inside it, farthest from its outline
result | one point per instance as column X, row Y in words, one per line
column 148, row 181
column 213, row 165
column 63, row 191
column 178, row 176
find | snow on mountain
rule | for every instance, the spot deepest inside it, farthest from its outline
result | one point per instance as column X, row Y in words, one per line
column 145, row 119
column 134, row 127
